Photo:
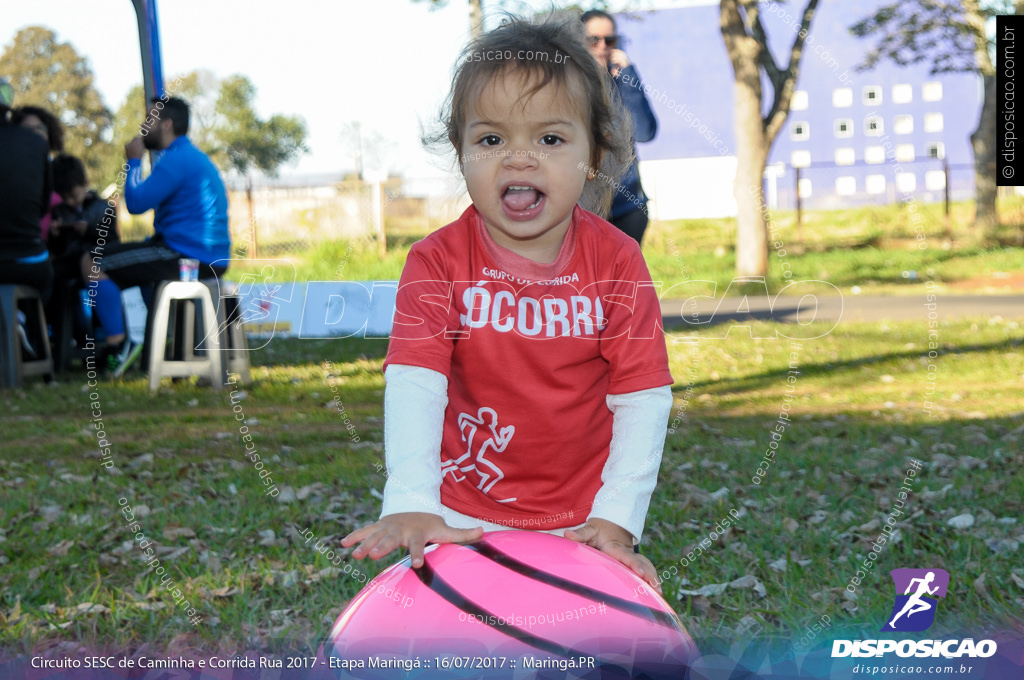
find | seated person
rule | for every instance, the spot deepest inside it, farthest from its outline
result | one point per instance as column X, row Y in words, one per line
column 26, row 183
column 83, row 225
column 49, row 127
column 190, row 206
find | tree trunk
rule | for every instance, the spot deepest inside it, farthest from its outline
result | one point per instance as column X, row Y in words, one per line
column 984, row 138
column 747, row 44
column 751, row 147
column 983, row 144
column 751, row 157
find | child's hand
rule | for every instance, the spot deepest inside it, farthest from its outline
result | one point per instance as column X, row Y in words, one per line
column 411, row 530
column 616, row 542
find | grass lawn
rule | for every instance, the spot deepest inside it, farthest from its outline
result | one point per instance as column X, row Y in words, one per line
column 70, row 569
column 875, row 249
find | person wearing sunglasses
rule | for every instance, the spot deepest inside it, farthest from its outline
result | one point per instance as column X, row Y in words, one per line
column 629, row 206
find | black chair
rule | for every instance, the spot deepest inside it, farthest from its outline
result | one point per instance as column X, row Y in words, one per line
column 66, row 345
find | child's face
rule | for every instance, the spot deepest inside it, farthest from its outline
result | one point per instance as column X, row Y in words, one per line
column 525, row 160
column 75, row 197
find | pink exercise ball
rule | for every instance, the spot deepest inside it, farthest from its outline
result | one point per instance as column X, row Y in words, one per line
column 508, row 605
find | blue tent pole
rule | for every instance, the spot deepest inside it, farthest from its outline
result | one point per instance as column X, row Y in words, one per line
column 152, row 62
column 149, row 45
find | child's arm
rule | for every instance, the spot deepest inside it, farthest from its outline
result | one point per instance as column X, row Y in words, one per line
column 617, row 518
column 95, row 219
column 414, row 402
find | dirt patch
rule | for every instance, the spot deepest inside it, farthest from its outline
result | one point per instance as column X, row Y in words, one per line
column 1002, row 281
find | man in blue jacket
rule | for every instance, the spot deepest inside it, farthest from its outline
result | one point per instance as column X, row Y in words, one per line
column 629, row 205
column 191, row 217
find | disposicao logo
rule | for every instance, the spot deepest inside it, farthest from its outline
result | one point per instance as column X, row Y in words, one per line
column 914, row 611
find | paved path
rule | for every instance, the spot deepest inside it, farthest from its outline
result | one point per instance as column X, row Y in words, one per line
column 848, row 307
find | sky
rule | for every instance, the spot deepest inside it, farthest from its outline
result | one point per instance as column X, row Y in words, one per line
column 386, row 64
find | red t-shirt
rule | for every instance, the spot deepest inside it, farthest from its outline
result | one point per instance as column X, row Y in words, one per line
column 530, row 352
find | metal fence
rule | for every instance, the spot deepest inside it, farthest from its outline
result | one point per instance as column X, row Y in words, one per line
column 831, row 186
column 286, row 219
column 296, row 218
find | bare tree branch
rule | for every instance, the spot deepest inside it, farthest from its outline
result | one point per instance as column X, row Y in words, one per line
column 785, row 84
column 756, row 30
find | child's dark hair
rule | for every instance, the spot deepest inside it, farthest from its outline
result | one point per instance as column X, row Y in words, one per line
column 68, row 173
column 543, row 53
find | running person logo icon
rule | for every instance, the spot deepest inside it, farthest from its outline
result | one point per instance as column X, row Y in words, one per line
column 915, row 611
column 481, row 433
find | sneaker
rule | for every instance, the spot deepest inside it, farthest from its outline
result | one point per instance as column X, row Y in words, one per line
column 107, row 358
column 130, row 351
column 26, row 346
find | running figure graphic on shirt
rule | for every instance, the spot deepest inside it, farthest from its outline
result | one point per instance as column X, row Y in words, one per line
column 474, row 462
column 915, row 604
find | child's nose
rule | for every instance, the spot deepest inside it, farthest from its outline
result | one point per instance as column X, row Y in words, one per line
column 521, row 158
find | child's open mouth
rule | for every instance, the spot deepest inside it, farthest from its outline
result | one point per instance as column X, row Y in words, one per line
column 522, row 201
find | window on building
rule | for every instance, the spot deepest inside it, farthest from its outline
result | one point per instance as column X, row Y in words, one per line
column 933, row 122
column 902, row 94
column 874, row 155
column 904, row 153
column 800, row 159
column 875, row 184
column 935, row 180
column 935, row 150
column 844, row 127
column 799, row 131
column 803, row 187
column 846, row 186
column 932, row 91
column 842, row 97
column 799, row 101
column 873, row 126
column 872, row 95
column 845, row 156
column 903, row 125
column 906, row 182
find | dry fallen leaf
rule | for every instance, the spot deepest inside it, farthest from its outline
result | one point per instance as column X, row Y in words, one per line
column 711, row 589
column 980, row 587
column 61, row 549
column 1002, row 545
column 868, row 527
column 150, row 606
column 817, row 517
column 963, row 521
column 174, row 532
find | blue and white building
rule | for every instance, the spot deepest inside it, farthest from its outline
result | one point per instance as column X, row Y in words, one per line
column 858, row 137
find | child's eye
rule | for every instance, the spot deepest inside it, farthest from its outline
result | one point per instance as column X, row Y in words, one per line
column 490, row 140
column 550, row 140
